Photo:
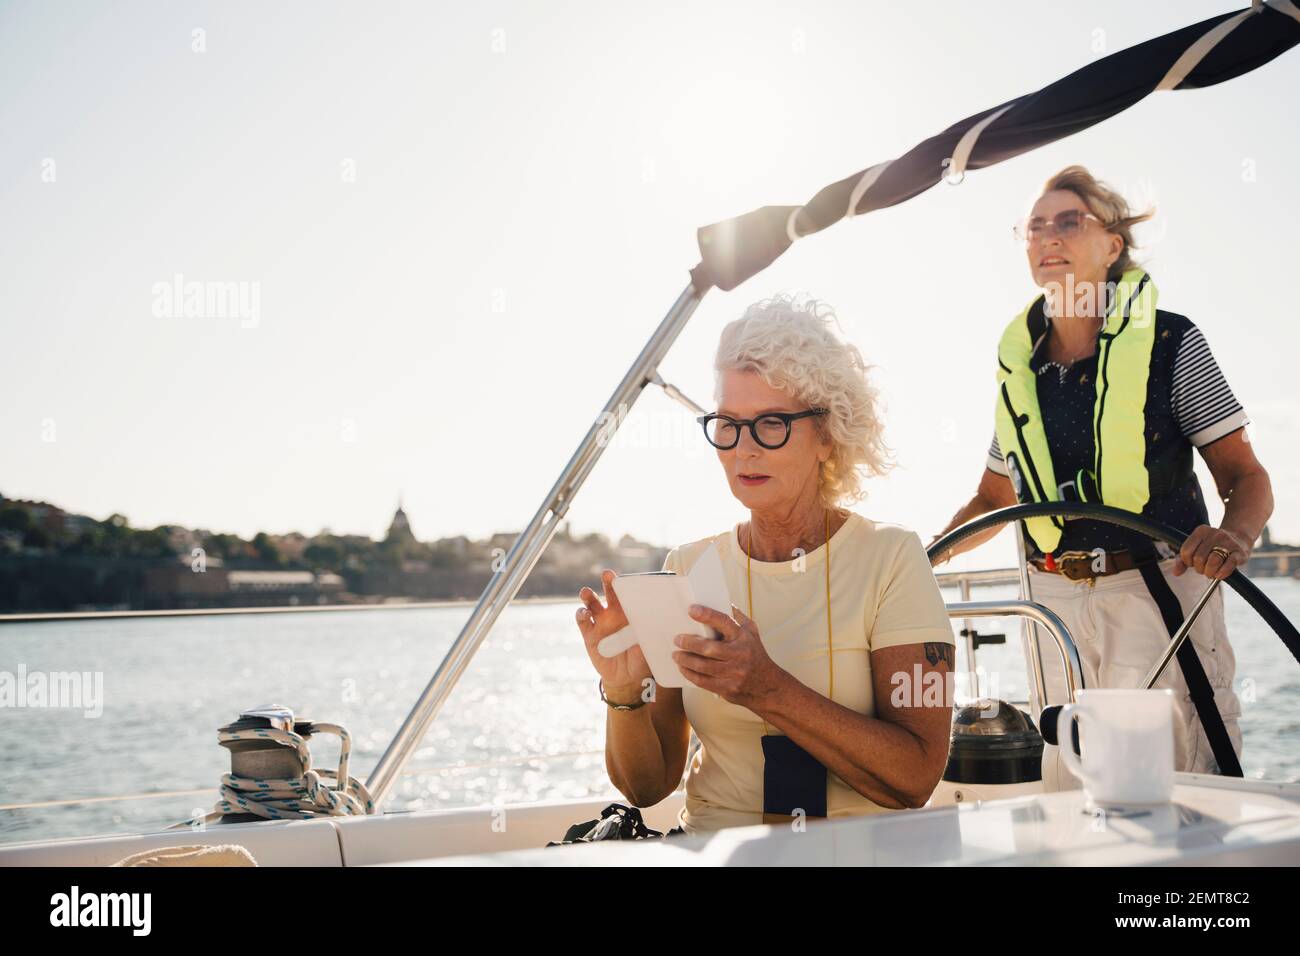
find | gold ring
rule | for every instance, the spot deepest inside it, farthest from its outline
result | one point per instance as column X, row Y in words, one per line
column 1221, row 550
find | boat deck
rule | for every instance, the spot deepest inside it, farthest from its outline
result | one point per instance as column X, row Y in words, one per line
column 1210, row 821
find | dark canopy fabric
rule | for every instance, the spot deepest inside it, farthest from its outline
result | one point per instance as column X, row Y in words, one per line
column 1193, row 57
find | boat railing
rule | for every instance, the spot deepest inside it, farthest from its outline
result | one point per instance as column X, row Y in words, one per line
column 963, row 581
column 37, row 617
column 1036, row 614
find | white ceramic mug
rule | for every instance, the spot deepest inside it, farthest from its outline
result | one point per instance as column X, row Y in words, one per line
column 1127, row 739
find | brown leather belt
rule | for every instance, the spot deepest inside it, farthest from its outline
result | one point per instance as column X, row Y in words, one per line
column 1085, row 565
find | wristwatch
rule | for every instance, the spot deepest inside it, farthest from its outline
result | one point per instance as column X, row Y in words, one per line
column 641, row 702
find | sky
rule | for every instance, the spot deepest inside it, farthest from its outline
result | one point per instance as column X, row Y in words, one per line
column 451, row 227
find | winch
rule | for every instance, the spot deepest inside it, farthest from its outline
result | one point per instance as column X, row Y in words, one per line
column 271, row 775
column 995, row 752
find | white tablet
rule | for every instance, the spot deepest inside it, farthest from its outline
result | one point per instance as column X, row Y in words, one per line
column 657, row 606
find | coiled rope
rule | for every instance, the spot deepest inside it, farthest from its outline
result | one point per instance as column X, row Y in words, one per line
column 297, row 798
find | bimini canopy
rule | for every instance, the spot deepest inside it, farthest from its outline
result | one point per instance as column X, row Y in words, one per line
column 1199, row 55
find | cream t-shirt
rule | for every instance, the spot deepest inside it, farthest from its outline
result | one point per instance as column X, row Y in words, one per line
column 883, row 593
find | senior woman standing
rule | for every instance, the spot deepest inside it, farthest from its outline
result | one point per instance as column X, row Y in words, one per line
column 1091, row 366
column 828, row 693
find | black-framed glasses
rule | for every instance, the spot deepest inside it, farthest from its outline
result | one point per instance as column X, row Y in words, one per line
column 771, row 430
column 1066, row 225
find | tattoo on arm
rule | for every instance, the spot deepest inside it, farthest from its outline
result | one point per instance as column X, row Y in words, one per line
column 936, row 652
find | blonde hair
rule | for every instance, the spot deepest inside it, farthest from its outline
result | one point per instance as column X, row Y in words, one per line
column 792, row 346
column 1106, row 204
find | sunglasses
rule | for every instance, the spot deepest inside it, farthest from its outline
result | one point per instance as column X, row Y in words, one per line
column 1064, row 225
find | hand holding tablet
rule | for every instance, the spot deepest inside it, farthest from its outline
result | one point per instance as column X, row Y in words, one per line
column 657, row 607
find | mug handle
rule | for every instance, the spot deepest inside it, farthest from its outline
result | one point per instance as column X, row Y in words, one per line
column 1065, row 734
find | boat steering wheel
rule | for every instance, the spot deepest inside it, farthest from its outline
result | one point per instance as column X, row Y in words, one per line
column 1253, row 596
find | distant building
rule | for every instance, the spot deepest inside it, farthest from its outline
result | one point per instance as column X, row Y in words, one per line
column 178, row 580
column 633, row 556
column 282, row 582
column 399, row 529
column 400, row 546
column 283, row 587
column 1272, row 559
column 182, row 583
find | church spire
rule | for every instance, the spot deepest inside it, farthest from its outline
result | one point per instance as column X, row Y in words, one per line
column 400, row 527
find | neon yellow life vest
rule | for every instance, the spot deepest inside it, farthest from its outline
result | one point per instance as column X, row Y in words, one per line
column 1119, row 475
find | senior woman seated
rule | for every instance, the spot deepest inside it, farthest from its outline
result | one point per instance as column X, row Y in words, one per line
column 829, row 692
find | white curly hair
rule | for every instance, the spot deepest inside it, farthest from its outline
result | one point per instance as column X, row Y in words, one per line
column 789, row 342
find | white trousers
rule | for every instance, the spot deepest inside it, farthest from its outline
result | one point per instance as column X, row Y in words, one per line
column 1120, row 634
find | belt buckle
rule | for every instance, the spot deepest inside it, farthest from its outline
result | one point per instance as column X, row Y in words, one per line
column 1081, row 560
column 1066, row 569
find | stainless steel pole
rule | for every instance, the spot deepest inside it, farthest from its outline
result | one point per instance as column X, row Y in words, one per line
column 1180, row 635
column 1040, row 614
column 529, row 546
column 1029, row 630
column 972, row 674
